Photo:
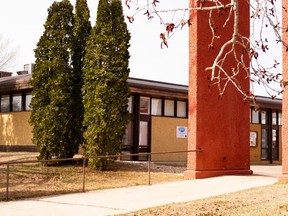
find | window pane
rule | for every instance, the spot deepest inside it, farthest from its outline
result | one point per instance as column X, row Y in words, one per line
column 274, row 118
column 264, row 139
column 169, row 108
column 181, row 109
column 5, row 103
column 156, row 106
column 130, row 104
column 275, row 152
column 274, row 138
column 279, row 118
column 143, row 134
column 28, row 98
column 264, row 143
column 263, row 117
column 145, row 105
column 16, row 103
column 255, row 117
column 128, row 136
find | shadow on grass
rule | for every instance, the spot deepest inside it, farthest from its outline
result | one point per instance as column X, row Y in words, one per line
column 35, row 180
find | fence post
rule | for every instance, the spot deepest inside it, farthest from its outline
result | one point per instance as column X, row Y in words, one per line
column 149, row 177
column 83, row 175
column 7, row 182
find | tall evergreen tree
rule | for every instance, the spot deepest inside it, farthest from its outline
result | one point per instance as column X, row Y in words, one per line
column 105, row 83
column 52, row 85
column 81, row 31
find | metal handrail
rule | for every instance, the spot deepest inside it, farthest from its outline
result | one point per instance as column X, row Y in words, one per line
column 84, row 158
column 99, row 156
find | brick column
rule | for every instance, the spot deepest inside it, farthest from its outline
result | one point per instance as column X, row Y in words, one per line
column 284, row 176
column 219, row 126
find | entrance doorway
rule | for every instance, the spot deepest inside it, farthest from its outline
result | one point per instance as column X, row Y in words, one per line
column 270, row 121
column 137, row 137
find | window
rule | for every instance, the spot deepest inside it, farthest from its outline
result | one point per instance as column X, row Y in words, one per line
column 264, row 117
column 28, row 98
column 17, row 103
column 156, row 108
column 280, row 118
column 143, row 133
column 255, row 117
column 264, row 144
column 145, row 105
column 130, row 104
column 274, row 118
column 128, row 136
column 169, row 108
column 181, row 109
column 5, row 103
column 275, row 152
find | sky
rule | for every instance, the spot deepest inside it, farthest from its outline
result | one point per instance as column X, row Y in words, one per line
column 21, row 22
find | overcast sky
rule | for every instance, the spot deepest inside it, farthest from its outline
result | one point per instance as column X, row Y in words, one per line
column 22, row 23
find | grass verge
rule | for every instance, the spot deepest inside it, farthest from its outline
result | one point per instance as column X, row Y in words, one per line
column 270, row 200
column 34, row 180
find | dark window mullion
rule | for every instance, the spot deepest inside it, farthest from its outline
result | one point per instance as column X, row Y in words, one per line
column 175, row 108
column 10, row 102
column 163, row 106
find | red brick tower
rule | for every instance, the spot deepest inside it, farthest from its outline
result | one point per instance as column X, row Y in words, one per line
column 219, row 126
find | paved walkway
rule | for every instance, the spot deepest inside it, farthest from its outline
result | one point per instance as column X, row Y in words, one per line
column 123, row 200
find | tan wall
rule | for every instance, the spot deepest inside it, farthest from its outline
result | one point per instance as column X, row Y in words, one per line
column 15, row 129
column 163, row 138
column 255, row 152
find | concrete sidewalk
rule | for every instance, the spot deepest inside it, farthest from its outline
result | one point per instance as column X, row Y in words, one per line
column 123, row 200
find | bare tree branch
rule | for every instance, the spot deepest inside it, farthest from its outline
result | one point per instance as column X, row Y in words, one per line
column 7, row 54
column 264, row 16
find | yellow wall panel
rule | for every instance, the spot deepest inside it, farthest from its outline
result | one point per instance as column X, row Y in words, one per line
column 15, row 129
column 163, row 138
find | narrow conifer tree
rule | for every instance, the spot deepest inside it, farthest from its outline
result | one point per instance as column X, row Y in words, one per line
column 81, row 31
column 105, row 83
column 52, row 85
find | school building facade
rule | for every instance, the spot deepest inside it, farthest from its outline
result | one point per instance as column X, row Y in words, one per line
column 159, row 119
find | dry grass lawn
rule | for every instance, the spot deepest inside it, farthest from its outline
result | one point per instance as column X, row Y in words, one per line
column 34, row 180
column 263, row 201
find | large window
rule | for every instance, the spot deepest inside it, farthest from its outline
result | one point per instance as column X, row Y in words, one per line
column 5, row 103
column 275, row 152
column 143, row 133
column 264, row 117
column 156, row 106
column 128, row 136
column 274, row 118
column 255, row 117
column 145, row 105
column 279, row 118
column 264, row 144
column 17, row 103
column 28, row 98
column 181, row 109
column 169, row 108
